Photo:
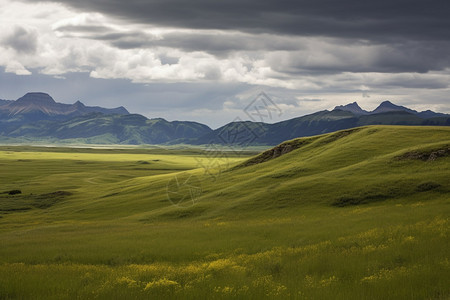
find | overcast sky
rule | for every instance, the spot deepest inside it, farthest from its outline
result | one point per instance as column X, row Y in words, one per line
column 206, row 60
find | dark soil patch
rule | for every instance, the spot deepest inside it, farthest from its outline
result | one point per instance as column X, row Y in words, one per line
column 110, row 195
column 277, row 151
column 429, row 155
column 48, row 200
column 12, row 192
column 21, row 202
column 339, row 135
column 347, row 201
column 427, row 186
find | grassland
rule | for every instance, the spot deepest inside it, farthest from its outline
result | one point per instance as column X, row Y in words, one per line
column 358, row 214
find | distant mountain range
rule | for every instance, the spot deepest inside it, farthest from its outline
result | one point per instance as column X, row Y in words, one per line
column 37, row 117
column 251, row 133
column 38, row 106
column 386, row 107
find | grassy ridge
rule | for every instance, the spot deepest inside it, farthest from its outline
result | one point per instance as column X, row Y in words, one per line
column 362, row 214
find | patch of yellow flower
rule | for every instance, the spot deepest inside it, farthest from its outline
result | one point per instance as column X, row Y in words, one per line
column 370, row 234
column 226, row 290
column 269, row 286
column 127, row 282
column 221, row 264
column 386, row 274
column 409, row 239
column 312, row 282
column 360, row 210
column 328, row 281
column 445, row 263
column 372, row 248
column 161, row 283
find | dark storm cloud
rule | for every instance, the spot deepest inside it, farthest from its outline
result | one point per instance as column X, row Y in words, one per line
column 371, row 20
column 216, row 43
column 83, row 29
column 412, row 35
column 413, row 83
column 413, row 57
column 409, row 56
column 22, row 40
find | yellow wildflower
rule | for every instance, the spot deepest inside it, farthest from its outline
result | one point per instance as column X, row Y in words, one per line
column 161, row 283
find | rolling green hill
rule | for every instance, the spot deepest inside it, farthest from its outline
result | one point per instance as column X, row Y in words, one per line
column 356, row 214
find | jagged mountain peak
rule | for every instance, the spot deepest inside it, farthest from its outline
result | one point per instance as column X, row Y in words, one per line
column 37, row 105
column 388, row 106
column 79, row 104
column 388, row 103
column 385, row 107
column 352, row 107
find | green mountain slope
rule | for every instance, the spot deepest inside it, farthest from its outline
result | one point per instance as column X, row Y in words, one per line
column 250, row 133
column 112, row 129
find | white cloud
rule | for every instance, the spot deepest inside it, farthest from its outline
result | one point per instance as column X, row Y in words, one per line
column 16, row 68
column 83, row 19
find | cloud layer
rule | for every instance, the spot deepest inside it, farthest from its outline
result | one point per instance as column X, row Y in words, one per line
column 361, row 19
column 299, row 50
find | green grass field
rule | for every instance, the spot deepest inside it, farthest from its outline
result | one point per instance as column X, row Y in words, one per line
column 357, row 214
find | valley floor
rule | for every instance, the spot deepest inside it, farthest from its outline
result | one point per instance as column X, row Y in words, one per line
column 360, row 214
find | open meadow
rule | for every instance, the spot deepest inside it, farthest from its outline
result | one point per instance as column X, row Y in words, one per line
column 357, row 214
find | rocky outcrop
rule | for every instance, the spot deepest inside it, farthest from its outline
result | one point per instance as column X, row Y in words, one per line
column 430, row 155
